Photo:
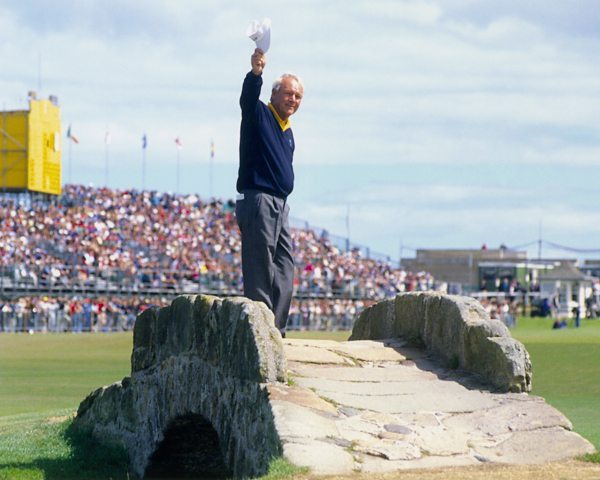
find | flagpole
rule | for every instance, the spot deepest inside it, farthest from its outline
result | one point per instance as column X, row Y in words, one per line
column 210, row 169
column 72, row 139
column 178, row 145
column 144, row 145
column 177, row 186
column 70, row 147
column 106, row 140
column 106, row 165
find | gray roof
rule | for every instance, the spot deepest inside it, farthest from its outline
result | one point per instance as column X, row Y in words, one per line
column 565, row 271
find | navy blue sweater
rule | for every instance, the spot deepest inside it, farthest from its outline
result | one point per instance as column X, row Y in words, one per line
column 266, row 151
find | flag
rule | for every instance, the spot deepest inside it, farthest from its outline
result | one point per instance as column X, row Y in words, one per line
column 178, row 143
column 144, row 142
column 70, row 136
column 212, row 149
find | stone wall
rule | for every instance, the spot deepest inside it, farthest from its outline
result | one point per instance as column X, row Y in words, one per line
column 455, row 328
column 201, row 356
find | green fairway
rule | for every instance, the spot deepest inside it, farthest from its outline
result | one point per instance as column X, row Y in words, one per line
column 47, row 376
column 41, row 373
column 339, row 336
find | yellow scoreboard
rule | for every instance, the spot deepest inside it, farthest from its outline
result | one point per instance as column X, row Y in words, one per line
column 30, row 153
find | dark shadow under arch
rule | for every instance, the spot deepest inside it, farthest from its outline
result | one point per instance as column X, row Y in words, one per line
column 190, row 449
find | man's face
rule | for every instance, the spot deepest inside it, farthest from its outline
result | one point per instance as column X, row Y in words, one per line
column 287, row 99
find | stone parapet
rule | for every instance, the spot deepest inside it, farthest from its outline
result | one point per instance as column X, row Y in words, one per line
column 457, row 329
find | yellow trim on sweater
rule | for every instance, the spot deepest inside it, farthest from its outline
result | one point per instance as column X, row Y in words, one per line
column 283, row 124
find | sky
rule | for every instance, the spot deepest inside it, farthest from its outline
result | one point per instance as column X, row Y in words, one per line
column 424, row 124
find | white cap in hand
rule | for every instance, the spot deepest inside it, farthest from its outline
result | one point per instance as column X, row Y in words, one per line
column 260, row 32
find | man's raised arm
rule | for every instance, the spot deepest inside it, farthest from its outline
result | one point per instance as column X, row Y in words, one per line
column 253, row 82
column 258, row 61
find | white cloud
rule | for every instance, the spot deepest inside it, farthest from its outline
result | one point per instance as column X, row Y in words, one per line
column 417, row 12
column 502, row 32
column 466, row 226
column 569, row 156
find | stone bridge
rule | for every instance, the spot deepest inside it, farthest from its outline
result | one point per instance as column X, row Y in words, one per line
column 427, row 380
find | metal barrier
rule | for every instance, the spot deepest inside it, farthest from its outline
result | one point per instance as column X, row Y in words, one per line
column 78, row 313
column 59, row 279
column 67, row 298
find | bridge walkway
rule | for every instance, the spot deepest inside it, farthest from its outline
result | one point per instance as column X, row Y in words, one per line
column 381, row 406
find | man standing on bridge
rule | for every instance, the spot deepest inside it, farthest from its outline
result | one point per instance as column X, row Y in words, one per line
column 265, row 179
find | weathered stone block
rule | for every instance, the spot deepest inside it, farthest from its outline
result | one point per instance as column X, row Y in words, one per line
column 512, row 370
column 376, row 322
column 180, row 326
column 142, row 355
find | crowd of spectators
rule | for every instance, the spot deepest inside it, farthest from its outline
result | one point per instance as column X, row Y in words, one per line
column 129, row 237
column 323, row 268
column 133, row 241
column 156, row 239
column 503, row 309
column 118, row 313
column 74, row 314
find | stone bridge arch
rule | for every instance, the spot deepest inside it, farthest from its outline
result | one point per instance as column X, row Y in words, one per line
column 200, row 357
column 190, row 448
column 217, row 367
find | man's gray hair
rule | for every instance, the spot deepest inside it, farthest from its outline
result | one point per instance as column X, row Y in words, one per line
column 277, row 83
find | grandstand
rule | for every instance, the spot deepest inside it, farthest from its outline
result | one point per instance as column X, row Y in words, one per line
column 92, row 258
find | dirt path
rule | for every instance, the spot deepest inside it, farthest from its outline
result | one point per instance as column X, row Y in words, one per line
column 570, row 470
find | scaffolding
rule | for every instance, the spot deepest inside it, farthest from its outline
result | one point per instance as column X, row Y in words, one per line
column 30, row 152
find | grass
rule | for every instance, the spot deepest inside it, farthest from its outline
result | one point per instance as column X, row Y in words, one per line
column 55, row 371
column 38, row 446
column 43, row 378
column 339, row 336
column 592, row 457
column 281, row 468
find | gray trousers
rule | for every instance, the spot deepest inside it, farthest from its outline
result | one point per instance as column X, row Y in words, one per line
column 267, row 261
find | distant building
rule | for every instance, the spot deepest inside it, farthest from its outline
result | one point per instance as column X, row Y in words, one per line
column 560, row 282
column 468, row 270
column 591, row 267
column 568, row 286
column 30, row 154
